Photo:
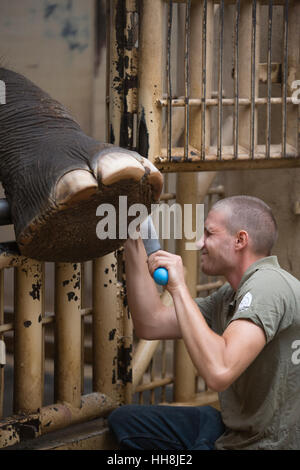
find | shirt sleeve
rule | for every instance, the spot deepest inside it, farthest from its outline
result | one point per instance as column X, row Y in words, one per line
column 265, row 301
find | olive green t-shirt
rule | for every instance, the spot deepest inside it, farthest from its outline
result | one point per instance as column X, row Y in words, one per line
column 261, row 409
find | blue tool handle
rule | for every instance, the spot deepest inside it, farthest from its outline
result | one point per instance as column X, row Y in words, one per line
column 160, row 276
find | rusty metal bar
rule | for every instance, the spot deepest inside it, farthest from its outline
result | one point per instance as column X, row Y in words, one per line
column 154, row 384
column 152, row 380
column 269, row 79
column 284, row 77
column 112, row 329
column 142, row 358
column 184, row 371
column 197, row 102
column 112, row 372
column 108, row 85
column 169, row 81
column 28, row 348
column 105, row 326
column 16, row 429
column 163, row 369
column 130, row 74
column 248, row 78
column 187, row 78
column 220, row 91
column 82, row 323
column 204, row 78
column 229, row 164
column 236, row 80
column 201, row 78
column 150, row 77
column 253, row 67
column 116, row 72
column 67, row 367
column 61, row 415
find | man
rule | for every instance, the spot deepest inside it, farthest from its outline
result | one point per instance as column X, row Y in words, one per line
column 240, row 338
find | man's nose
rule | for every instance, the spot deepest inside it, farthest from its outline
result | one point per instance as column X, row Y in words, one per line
column 200, row 243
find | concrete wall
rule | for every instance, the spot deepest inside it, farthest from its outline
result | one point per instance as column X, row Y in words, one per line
column 53, row 44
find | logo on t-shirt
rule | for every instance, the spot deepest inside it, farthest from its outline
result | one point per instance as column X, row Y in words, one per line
column 245, row 302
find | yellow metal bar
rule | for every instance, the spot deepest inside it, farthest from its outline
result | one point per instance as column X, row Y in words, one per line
column 61, row 415
column 116, row 74
column 28, row 348
column 142, row 357
column 16, row 429
column 150, row 77
column 154, row 384
column 249, row 43
column 68, row 333
column 111, row 357
column 184, row 371
column 258, row 163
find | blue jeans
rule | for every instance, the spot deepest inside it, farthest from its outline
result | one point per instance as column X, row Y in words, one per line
column 149, row 427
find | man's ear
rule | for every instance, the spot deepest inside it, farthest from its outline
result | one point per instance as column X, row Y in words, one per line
column 241, row 240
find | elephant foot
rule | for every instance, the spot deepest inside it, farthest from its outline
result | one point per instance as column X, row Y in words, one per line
column 66, row 231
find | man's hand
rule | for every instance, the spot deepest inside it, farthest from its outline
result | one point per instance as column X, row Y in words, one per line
column 173, row 263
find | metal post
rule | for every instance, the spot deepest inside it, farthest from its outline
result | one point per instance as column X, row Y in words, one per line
column 111, row 358
column 116, row 71
column 248, row 73
column 28, row 360
column 130, row 74
column 67, row 370
column 201, row 57
column 150, row 77
column 112, row 329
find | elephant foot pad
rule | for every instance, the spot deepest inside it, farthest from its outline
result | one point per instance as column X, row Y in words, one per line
column 67, row 230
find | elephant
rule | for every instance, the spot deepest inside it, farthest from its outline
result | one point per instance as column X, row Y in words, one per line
column 55, row 176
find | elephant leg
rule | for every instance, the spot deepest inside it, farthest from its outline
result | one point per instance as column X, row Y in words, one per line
column 55, row 177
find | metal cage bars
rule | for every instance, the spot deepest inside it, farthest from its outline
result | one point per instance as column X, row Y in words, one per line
column 31, row 418
column 245, row 151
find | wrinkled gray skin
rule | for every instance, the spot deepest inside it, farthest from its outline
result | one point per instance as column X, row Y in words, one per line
column 39, row 143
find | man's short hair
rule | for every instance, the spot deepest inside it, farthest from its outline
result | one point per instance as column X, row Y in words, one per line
column 255, row 217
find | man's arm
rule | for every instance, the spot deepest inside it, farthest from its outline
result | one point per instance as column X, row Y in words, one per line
column 220, row 360
column 151, row 318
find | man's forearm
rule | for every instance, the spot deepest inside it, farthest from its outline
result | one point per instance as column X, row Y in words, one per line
column 151, row 318
column 142, row 295
column 206, row 348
